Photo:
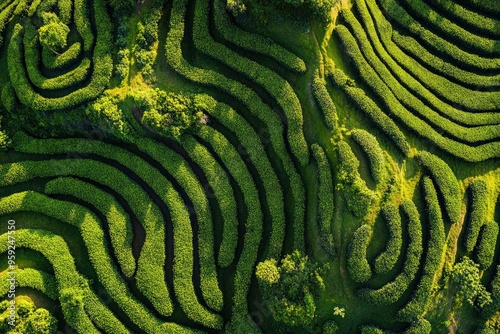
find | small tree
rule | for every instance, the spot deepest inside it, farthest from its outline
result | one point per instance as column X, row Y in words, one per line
column 289, row 288
column 41, row 322
column 53, row 34
column 466, row 278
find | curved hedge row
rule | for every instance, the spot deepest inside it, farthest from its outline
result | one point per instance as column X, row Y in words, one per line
column 366, row 104
column 240, row 321
column 222, row 191
column 65, row 59
column 55, row 249
column 357, row 264
column 325, row 198
column 243, row 94
column 5, row 15
column 253, row 42
column 436, row 43
column 392, row 292
column 277, row 87
column 479, row 206
column 419, row 326
column 32, row 61
column 120, row 227
column 424, row 83
column 31, row 278
column 325, row 102
column 150, row 276
column 358, row 196
column 252, row 147
column 468, row 153
column 446, row 182
column 386, row 261
column 492, row 308
column 487, row 244
column 404, row 98
column 102, row 67
column 176, row 166
column 434, row 21
column 375, row 154
column 434, row 256
column 183, row 234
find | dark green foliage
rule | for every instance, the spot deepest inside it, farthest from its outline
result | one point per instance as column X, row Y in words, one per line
column 388, row 258
column 446, row 183
column 435, row 245
column 371, row 330
column 357, row 264
column 54, row 33
column 467, row 280
column 419, row 326
column 487, row 244
column 374, row 152
column 479, row 192
column 325, row 198
column 329, row 327
column 122, row 6
column 358, row 196
column 325, row 102
column 392, row 291
column 29, row 319
column 289, row 288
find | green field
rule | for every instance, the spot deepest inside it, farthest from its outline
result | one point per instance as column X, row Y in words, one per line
column 249, row 166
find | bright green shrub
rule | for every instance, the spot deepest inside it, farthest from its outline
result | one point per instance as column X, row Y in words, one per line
column 479, row 194
column 446, row 182
column 5, row 15
column 325, row 198
column 254, row 42
column 83, row 26
column 357, row 264
column 253, row 229
column 65, row 59
column 119, row 225
column 176, row 166
column 31, row 278
column 419, row 326
column 325, row 102
column 435, row 246
column 222, row 191
column 388, row 258
column 54, row 33
column 375, row 154
column 487, row 244
column 277, row 87
column 358, row 196
column 329, row 327
column 392, row 291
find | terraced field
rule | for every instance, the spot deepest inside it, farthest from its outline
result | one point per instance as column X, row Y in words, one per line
column 153, row 160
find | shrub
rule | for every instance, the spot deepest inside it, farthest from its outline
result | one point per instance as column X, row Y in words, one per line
column 325, row 102
column 357, row 264
column 358, row 197
column 479, row 193
column 419, row 326
column 375, row 154
column 325, row 198
column 487, row 244
column 330, row 327
column 388, row 258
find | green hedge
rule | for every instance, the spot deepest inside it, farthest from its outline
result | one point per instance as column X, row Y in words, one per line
column 487, row 244
column 325, row 102
column 442, row 26
column 392, row 292
column 488, row 6
column 263, row 77
column 240, row 321
column 32, row 61
column 358, row 196
column 435, row 246
column 325, row 198
column 400, row 16
column 419, row 326
column 492, row 308
column 446, row 182
column 479, row 206
column 371, row 330
column 5, row 15
column 375, row 154
column 65, row 59
column 183, row 235
column 426, row 85
column 31, row 278
column 83, row 26
column 273, row 125
column 368, row 106
column 386, row 261
column 55, row 249
column 179, row 169
column 357, row 264
column 102, row 68
column 251, row 149
column 410, row 100
column 223, row 193
column 254, row 42
column 468, row 153
column 120, row 227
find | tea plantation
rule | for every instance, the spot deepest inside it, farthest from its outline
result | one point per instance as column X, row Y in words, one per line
column 249, row 166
